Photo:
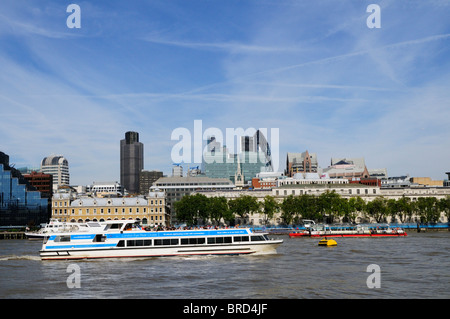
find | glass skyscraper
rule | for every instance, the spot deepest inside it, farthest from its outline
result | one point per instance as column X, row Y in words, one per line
column 20, row 204
column 254, row 158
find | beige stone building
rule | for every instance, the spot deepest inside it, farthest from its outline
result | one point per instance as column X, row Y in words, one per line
column 366, row 192
column 149, row 210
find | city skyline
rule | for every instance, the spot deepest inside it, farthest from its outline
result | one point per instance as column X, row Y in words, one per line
column 315, row 71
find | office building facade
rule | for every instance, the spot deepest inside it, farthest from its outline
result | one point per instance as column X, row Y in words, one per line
column 20, row 203
column 58, row 167
column 177, row 187
column 253, row 159
column 301, row 163
column 146, row 180
column 131, row 162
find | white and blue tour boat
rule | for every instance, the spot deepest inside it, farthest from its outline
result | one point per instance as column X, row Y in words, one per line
column 125, row 238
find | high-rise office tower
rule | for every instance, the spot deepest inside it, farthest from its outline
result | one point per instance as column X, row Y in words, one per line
column 58, row 167
column 131, row 161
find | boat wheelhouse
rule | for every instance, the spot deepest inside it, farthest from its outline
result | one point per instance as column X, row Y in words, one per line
column 126, row 239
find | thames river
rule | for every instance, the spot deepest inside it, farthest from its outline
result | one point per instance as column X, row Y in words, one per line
column 416, row 266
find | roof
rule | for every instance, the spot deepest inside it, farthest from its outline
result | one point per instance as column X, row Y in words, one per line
column 350, row 185
column 54, row 160
column 299, row 157
column 192, row 179
column 116, row 201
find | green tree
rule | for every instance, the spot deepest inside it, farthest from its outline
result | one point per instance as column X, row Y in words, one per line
column 289, row 208
column 218, row 209
column 329, row 203
column 192, row 207
column 308, row 207
column 243, row 206
column 392, row 208
column 444, row 206
column 377, row 209
column 404, row 208
column 269, row 207
column 428, row 209
column 356, row 205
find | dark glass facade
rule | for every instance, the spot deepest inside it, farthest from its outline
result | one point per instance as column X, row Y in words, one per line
column 131, row 162
column 20, row 205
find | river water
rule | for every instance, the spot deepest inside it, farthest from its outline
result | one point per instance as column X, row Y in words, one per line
column 416, row 266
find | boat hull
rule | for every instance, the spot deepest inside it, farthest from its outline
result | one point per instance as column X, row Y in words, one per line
column 255, row 249
column 348, row 235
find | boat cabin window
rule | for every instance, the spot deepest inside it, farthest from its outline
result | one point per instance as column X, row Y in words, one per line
column 99, row 238
column 193, row 241
column 240, row 238
column 161, row 242
column 62, row 238
column 137, row 242
column 258, row 238
column 219, row 240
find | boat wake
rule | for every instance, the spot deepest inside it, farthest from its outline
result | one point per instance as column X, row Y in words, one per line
column 24, row 257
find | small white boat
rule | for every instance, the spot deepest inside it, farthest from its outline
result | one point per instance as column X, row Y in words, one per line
column 124, row 238
column 55, row 226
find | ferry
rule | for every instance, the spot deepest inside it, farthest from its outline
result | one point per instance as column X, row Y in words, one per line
column 55, row 226
column 126, row 238
column 322, row 230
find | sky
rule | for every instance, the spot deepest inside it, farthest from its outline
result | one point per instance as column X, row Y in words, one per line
column 314, row 70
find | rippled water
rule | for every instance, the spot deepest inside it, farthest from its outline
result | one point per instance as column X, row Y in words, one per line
column 413, row 267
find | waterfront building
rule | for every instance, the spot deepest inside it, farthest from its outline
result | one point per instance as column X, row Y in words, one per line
column 42, row 182
column 20, row 203
column 396, row 181
column 345, row 190
column 177, row 170
column 146, row 180
column 426, row 181
column 301, row 163
column 58, row 167
column 104, row 189
column 348, row 168
column 309, row 178
column 380, row 173
column 131, row 162
column 148, row 210
column 176, row 187
column 266, row 180
column 447, row 181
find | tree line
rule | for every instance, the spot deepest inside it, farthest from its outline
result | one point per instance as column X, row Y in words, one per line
column 327, row 207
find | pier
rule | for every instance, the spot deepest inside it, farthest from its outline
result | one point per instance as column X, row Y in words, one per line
column 12, row 235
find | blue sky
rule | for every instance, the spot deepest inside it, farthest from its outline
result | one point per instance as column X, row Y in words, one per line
column 312, row 69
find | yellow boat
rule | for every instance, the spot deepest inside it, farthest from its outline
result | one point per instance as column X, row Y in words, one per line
column 327, row 242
